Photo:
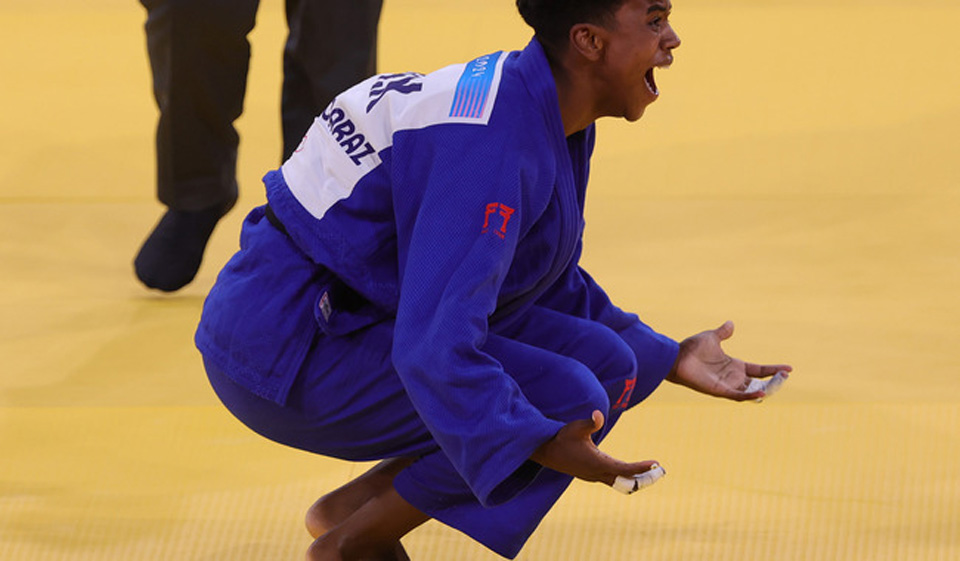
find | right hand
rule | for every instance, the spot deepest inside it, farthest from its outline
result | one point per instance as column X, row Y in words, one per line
column 571, row 451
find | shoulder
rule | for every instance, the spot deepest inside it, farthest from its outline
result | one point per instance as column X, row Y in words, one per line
column 462, row 93
column 480, row 105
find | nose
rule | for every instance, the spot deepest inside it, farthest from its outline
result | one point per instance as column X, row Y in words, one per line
column 670, row 39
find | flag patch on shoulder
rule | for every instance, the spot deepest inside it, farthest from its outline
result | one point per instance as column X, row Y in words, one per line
column 473, row 89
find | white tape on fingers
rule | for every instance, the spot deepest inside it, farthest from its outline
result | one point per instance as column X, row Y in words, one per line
column 630, row 485
column 768, row 386
column 775, row 382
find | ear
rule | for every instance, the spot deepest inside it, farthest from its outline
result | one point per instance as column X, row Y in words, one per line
column 588, row 40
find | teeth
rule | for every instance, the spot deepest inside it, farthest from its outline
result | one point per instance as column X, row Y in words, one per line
column 650, row 86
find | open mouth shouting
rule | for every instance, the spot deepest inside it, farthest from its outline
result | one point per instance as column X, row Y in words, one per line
column 650, row 82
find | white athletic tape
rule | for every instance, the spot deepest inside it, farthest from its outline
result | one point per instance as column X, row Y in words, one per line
column 630, row 485
column 768, row 386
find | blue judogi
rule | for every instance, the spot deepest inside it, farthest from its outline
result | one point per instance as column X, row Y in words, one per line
column 416, row 292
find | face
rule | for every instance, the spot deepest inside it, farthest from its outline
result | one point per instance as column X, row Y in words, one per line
column 638, row 41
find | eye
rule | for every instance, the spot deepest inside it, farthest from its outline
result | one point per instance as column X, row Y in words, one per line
column 660, row 21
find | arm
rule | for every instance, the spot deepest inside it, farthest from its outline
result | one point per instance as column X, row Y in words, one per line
column 451, row 274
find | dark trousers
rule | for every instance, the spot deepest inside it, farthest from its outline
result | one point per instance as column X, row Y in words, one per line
column 199, row 55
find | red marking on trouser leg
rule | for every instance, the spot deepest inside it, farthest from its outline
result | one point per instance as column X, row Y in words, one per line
column 625, row 396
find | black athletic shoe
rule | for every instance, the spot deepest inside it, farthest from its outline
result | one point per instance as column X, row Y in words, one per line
column 171, row 255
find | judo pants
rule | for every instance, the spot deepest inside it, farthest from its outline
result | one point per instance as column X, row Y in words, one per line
column 199, row 56
column 348, row 402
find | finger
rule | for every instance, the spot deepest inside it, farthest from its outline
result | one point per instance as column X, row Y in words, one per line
column 771, row 385
column 765, row 387
column 630, row 469
column 614, row 468
column 767, row 370
column 737, row 394
column 746, row 396
column 630, row 485
column 725, row 331
column 597, row 419
column 583, row 428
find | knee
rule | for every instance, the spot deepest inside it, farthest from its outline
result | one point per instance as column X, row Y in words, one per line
column 337, row 546
column 585, row 395
column 321, row 517
column 595, row 399
column 324, row 548
column 618, row 361
column 600, row 380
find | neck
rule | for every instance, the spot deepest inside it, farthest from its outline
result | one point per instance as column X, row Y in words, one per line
column 576, row 101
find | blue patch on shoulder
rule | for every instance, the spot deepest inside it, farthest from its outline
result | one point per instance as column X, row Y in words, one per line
column 470, row 98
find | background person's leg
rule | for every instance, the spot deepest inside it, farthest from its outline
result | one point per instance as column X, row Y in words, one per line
column 332, row 45
column 199, row 57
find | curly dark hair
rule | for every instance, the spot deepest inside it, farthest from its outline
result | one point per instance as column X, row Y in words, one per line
column 551, row 20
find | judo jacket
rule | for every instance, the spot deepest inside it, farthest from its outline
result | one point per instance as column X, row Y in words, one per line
column 448, row 203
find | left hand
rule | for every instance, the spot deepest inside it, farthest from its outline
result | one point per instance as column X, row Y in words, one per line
column 703, row 366
column 571, row 451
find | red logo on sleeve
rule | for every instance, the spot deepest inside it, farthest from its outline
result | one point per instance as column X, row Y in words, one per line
column 625, row 396
column 504, row 211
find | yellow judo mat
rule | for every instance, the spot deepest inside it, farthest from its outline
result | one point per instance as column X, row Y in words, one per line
column 800, row 176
